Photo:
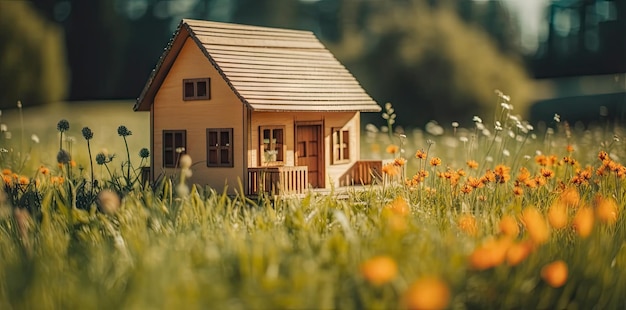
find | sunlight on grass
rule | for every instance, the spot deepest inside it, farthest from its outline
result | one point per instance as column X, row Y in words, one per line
column 501, row 215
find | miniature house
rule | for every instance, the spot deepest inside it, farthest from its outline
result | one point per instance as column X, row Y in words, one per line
column 270, row 108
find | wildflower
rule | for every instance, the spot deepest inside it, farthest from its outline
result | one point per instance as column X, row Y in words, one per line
column 144, row 153
column 63, row 157
column 34, row 138
column 182, row 190
column 475, row 182
column 435, row 161
column 570, row 197
column 399, row 161
column 101, row 159
column 603, row 156
column 467, row 224
column 63, row 125
column 379, row 270
column 185, row 161
column 606, row 210
column 502, row 173
column 518, row 191
column 557, row 215
column 43, row 170
column 508, row 226
column 472, row 164
column 583, row 222
column 87, row 133
column 391, row 170
column 399, row 206
column 535, row 225
column 569, row 148
column 557, row 118
column 555, row 273
column 180, row 150
column 7, row 171
column 23, row 180
column 108, row 201
column 122, row 131
column 427, row 293
column 420, row 154
column 477, row 120
column 397, row 223
column 4, row 128
column 392, row 149
column 518, row 253
column 466, row 189
column 490, row 254
column 546, row 173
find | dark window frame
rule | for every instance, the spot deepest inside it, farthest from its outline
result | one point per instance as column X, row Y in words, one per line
column 340, row 145
column 169, row 149
column 196, row 90
column 222, row 150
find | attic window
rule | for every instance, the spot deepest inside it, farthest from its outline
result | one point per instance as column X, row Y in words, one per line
column 196, row 89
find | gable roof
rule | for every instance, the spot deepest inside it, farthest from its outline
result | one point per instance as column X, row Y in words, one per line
column 269, row 69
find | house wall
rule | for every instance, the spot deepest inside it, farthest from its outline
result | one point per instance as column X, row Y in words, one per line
column 222, row 110
column 330, row 120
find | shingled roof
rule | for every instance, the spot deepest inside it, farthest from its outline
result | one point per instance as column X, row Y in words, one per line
column 269, row 69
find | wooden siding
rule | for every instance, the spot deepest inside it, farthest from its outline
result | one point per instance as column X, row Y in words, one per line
column 345, row 120
column 222, row 110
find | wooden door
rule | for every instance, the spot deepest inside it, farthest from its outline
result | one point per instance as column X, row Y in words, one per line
column 309, row 152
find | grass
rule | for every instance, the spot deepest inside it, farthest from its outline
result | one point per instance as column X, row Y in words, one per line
column 538, row 224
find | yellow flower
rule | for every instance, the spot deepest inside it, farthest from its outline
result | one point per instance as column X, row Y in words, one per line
column 435, row 161
column 606, row 210
column 570, row 197
column 420, row 154
column 472, row 164
column 490, row 254
column 392, row 149
column 502, row 173
column 399, row 161
column 428, row 293
column 557, row 215
column 583, row 222
column 379, row 270
column 535, row 225
column 7, row 172
column 399, row 206
column 467, row 224
column 518, row 252
column 508, row 226
column 555, row 273
column 23, row 180
column 391, row 169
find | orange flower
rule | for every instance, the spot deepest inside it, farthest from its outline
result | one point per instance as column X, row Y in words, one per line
column 603, row 156
column 508, row 226
column 555, row 273
column 23, row 180
column 399, row 161
column 535, row 225
column 475, row 182
column 399, row 206
column 557, row 215
column 466, row 189
column 523, row 175
column 420, row 154
column 570, row 197
column 391, row 170
column 467, row 224
column 397, row 223
column 490, row 254
column 583, row 222
column 43, row 170
column 606, row 210
column 379, row 270
column 435, row 161
column 518, row 253
column 472, row 164
column 428, row 293
column 72, row 163
column 7, row 172
column 546, row 173
column 569, row 148
column 7, row 179
column 518, row 191
column 502, row 173
column 392, row 149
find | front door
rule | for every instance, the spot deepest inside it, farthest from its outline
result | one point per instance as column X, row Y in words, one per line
column 309, row 152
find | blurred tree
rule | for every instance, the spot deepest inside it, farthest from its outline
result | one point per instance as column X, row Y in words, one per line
column 427, row 61
column 32, row 56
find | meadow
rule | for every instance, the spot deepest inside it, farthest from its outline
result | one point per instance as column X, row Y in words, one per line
column 501, row 214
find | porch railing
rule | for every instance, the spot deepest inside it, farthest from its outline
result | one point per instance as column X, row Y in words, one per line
column 277, row 180
column 363, row 172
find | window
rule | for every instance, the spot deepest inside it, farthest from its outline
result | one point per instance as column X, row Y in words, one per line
column 272, row 141
column 196, row 89
column 341, row 145
column 174, row 144
column 219, row 143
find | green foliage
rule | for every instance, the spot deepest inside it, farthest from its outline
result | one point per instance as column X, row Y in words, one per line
column 429, row 62
column 32, row 56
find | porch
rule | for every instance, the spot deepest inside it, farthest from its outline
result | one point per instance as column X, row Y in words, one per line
column 286, row 180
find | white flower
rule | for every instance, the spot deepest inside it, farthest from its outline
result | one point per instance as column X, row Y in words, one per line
column 434, row 129
column 35, row 138
column 506, row 106
column 477, row 119
column 463, row 139
column 455, row 124
column 180, row 149
column 182, row 190
column 185, row 161
column 506, row 153
column 557, row 118
column 4, row 128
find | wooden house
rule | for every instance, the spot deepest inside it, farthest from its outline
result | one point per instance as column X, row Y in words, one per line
column 270, row 108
